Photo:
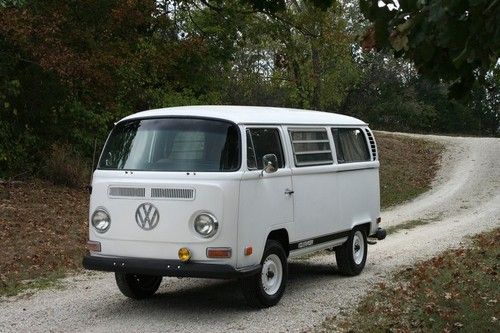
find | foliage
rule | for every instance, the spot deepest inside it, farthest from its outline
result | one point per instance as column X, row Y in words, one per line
column 69, row 69
column 454, row 40
column 65, row 167
column 391, row 95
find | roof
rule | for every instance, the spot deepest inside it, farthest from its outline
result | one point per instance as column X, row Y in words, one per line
column 252, row 115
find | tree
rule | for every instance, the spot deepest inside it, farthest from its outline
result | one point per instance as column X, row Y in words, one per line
column 457, row 41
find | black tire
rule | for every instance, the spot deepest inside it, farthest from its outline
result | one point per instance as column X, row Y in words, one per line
column 137, row 286
column 348, row 260
column 253, row 287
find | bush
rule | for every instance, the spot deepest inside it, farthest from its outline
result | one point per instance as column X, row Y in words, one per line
column 65, row 167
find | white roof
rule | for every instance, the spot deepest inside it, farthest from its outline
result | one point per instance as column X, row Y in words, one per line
column 253, row 115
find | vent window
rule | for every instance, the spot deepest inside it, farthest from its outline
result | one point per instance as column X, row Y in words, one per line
column 311, row 147
column 373, row 145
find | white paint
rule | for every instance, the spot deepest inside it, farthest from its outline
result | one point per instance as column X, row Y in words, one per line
column 248, row 204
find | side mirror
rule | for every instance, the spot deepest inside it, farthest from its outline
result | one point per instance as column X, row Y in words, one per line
column 270, row 162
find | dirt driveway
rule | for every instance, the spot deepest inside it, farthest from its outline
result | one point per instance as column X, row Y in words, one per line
column 465, row 200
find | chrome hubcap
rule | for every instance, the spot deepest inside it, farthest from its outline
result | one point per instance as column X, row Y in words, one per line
column 272, row 274
column 358, row 247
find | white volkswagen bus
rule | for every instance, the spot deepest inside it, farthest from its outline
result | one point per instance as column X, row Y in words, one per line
column 231, row 192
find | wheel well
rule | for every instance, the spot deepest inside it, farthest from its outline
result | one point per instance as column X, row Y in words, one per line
column 281, row 235
column 365, row 227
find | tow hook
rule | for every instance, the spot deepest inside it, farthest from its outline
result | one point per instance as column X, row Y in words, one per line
column 379, row 235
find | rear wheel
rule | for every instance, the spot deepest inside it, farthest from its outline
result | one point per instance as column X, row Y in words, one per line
column 137, row 286
column 266, row 288
column 351, row 256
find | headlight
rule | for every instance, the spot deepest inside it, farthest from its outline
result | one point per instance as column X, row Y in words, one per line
column 206, row 225
column 101, row 220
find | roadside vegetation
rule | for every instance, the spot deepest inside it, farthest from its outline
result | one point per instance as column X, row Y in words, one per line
column 407, row 167
column 43, row 227
column 69, row 69
column 458, row 290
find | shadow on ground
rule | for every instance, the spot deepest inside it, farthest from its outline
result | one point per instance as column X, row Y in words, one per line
column 192, row 295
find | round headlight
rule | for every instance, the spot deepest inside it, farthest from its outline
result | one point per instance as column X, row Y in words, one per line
column 206, row 225
column 101, row 220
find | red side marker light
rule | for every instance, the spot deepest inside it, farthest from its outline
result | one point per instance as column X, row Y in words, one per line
column 248, row 251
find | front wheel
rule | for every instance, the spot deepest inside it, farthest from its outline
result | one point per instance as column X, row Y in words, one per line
column 351, row 256
column 137, row 286
column 266, row 288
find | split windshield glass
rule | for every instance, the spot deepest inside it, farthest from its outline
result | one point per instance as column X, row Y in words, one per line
column 172, row 144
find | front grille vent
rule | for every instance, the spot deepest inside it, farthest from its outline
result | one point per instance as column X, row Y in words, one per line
column 173, row 193
column 127, row 192
column 373, row 146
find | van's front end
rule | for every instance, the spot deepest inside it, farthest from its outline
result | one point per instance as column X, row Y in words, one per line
column 164, row 202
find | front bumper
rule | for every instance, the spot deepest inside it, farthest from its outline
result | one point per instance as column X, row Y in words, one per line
column 165, row 267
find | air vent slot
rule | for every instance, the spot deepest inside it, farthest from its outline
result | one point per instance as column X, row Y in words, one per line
column 373, row 146
column 127, row 192
column 173, row 193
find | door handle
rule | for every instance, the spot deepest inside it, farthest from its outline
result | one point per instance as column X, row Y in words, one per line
column 289, row 192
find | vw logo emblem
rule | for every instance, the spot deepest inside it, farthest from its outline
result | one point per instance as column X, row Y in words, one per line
column 147, row 216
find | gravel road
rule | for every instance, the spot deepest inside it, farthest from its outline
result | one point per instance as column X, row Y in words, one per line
column 465, row 200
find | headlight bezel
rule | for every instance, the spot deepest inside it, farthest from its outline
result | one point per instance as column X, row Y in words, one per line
column 100, row 210
column 214, row 225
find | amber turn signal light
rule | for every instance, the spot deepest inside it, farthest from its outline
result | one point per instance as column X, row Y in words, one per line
column 184, row 254
column 218, row 252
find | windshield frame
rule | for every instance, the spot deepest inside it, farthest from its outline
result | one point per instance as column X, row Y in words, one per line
column 239, row 144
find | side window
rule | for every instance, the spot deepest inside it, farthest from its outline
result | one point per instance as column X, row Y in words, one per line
column 350, row 144
column 262, row 141
column 311, row 147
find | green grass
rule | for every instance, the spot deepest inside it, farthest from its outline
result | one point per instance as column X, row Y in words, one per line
column 14, row 287
column 458, row 290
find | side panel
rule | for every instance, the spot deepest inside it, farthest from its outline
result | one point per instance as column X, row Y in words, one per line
column 330, row 200
column 359, row 195
column 316, row 202
column 316, row 197
column 264, row 206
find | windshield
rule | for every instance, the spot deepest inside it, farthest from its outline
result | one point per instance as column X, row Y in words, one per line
column 172, row 144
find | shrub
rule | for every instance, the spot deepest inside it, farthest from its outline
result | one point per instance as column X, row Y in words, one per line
column 66, row 167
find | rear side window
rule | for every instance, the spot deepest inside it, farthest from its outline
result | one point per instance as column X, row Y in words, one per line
column 350, row 144
column 262, row 141
column 311, row 147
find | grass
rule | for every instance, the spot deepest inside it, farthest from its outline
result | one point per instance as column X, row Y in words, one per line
column 458, row 290
column 407, row 167
column 43, row 227
column 47, row 281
